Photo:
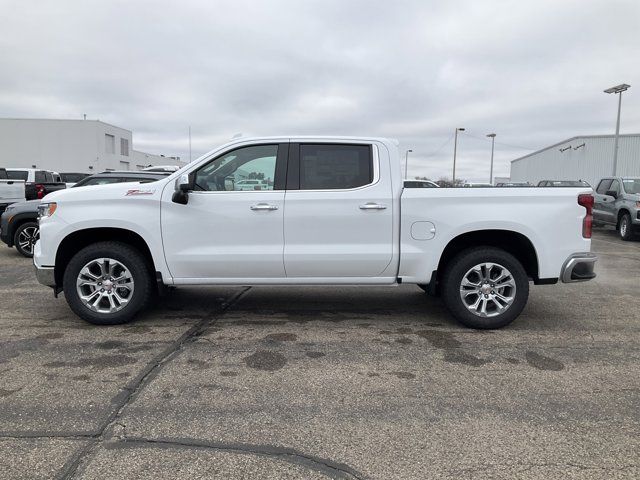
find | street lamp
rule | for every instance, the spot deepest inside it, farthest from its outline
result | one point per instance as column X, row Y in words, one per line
column 455, row 148
column 617, row 89
column 492, row 136
column 406, row 162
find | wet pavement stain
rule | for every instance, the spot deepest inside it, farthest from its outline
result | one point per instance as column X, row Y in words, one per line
column 109, row 345
column 265, row 360
column 404, row 340
column 453, row 352
column 281, row 337
column 6, row 393
column 200, row 364
column 12, row 348
column 228, row 374
column 99, row 363
column 81, row 377
column 543, row 363
column 313, row 354
column 403, row 375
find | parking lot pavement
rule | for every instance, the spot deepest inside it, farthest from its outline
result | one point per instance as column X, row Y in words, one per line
column 324, row 383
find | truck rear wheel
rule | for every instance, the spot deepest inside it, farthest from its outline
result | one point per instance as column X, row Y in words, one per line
column 485, row 288
column 107, row 283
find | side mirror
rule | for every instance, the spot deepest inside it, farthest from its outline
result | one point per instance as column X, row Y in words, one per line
column 181, row 193
column 611, row 193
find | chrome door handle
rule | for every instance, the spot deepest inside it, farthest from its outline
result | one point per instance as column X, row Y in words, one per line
column 264, row 206
column 372, row 206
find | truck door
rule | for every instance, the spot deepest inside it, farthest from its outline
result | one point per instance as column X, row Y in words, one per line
column 226, row 231
column 603, row 203
column 338, row 211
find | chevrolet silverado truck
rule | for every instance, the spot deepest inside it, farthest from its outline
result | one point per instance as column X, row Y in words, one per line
column 335, row 213
column 617, row 203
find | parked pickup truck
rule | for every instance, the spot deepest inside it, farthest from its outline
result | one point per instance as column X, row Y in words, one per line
column 336, row 213
column 617, row 203
column 38, row 183
column 11, row 191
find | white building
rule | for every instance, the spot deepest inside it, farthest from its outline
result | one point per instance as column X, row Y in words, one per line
column 587, row 158
column 87, row 146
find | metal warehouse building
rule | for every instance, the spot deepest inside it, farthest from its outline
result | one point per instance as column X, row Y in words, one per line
column 85, row 146
column 587, row 158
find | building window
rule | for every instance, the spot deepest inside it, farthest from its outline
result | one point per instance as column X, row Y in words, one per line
column 109, row 143
column 124, row 147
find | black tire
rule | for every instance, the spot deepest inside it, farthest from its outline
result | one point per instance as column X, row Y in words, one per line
column 455, row 272
column 129, row 257
column 625, row 228
column 27, row 232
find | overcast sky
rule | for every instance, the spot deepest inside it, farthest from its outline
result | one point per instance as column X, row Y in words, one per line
column 530, row 71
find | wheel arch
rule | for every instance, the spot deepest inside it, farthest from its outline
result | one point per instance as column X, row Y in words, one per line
column 621, row 212
column 17, row 220
column 510, row 241
column 79, row 239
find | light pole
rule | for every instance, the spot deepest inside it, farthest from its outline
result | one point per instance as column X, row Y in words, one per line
column 493, row 140
column 455, row 149
column 406, row 162
column 617, row 89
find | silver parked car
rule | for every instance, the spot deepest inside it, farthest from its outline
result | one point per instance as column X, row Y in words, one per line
column 617, row 203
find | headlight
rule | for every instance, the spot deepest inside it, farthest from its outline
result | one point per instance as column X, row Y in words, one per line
column 11, row 207
column 47, row 209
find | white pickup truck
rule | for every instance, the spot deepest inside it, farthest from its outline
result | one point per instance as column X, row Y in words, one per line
column 330, row 211
column 11, row 190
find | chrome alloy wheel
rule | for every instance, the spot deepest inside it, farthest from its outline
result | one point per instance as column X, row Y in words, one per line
column 105, row 285
column 488, row 289
column 624, row 225
column 27, row 238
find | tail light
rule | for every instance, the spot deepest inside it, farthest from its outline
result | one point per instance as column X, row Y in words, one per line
column 39, row 190
column 586, row 200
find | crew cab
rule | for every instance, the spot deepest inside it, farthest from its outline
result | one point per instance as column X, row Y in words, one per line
column 38, row 183
column 617, row 203
column 335, row 213
column 11, row 191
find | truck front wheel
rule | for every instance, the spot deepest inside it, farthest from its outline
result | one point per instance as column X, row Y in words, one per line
column 107, row 283
column 485, row 288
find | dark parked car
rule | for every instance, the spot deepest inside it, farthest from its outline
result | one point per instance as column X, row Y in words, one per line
column 71, row 178
column 617, row 203
column 563, row 183
column 19, row 222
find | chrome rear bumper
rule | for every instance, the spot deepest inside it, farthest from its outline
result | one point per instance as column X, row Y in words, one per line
column 578, row 268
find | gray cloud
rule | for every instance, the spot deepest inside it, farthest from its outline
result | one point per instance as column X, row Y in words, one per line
column 531, row 71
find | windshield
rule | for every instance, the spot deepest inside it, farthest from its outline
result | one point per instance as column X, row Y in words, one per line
column 17, row 175
column 632, row 185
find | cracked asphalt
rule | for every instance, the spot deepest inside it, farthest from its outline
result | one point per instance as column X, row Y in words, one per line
column 324, row 383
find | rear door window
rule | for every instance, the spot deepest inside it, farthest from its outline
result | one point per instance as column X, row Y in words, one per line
column 40, row 177
column 604, row 186
column 17, row 175
column 335, row 166
column 615, row 186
